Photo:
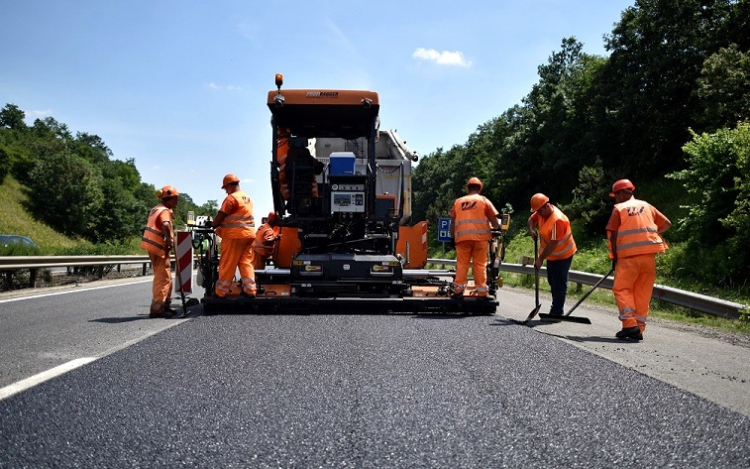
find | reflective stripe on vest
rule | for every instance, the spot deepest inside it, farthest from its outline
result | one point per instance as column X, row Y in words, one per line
column 566, row 247
column 471, row 223
column 638, row 233
column 153, row 237
column 241, row 223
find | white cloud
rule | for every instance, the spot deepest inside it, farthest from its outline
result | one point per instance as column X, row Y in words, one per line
column 34, row 114
column 214, row 86
column 442, row 58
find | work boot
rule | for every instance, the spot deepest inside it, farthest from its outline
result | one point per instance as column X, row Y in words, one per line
column 161, row 314
column 630, row 333
column 457, row 295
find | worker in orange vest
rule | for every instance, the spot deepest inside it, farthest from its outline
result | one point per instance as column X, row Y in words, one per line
column 157, row 239
column 236, row 226
column 472, row 215
column 556, row 245
column 286, row 155
column 633, row 234
column 266, row 237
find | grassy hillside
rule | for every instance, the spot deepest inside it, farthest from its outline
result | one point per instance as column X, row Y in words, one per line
column 16, row 220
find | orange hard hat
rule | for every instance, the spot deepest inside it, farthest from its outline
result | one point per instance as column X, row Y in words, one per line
column 229, row 179
column 621, row 185
column 475, row 182
column 537, row 201
column 167, row 192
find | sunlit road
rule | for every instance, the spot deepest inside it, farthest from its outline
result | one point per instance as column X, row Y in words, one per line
column 337, row 391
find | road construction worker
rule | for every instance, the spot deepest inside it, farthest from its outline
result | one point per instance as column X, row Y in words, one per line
column 236, row 226
column 158, row 238
column 472, row 215
column 633, row 234
column 266, row 238
column 286, row 156
column 556, row 246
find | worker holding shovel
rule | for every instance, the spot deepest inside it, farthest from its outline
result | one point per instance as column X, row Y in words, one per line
column 557, row 247
column 634, row 237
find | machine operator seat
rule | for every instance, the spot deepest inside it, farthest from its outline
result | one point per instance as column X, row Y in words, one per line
column 300, row 172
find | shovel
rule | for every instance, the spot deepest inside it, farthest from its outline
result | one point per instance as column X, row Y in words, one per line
column 535, row 311
column 579, row 319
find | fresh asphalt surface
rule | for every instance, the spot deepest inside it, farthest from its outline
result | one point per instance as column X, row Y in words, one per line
column 343, row 390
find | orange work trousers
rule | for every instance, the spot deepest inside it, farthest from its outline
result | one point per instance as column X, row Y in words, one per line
column 161, row 289
column 633, row 286
column 472, row 253
column 234, row 253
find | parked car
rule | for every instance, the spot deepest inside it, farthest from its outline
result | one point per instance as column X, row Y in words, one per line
column 7, row 240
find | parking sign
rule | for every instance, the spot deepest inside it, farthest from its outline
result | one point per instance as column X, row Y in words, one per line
column 444, row 230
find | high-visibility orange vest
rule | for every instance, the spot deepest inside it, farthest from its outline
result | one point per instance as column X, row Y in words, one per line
column 470, row 218
column 566, row 246
column 153, row 236
column 266, row 233
column 240, row 223
column 638, row 233
column 282, row 153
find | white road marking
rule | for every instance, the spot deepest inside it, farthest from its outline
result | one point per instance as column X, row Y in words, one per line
column 27, row 383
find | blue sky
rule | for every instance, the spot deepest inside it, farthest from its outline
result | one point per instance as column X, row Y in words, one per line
column 180, row 86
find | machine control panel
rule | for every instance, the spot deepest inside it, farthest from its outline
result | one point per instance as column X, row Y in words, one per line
column 347, row 198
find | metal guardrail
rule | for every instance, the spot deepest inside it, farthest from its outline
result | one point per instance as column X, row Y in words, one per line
column 10, row 264
column 46, row 262
column 696, row 301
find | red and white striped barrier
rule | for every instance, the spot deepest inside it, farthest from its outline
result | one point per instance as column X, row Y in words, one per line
column 184, row 262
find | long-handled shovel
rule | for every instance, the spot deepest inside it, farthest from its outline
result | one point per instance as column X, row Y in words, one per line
column 535, row 311
column 579, row 319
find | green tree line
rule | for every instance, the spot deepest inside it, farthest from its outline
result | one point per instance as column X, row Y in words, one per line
column 73, row 183
column 668, row 108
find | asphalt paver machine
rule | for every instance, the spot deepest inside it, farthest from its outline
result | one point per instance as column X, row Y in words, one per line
column 342, row 199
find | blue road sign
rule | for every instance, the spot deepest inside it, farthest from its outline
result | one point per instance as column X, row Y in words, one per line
column 444, row 230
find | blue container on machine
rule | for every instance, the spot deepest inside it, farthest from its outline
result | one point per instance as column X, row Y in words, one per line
column 342, row 163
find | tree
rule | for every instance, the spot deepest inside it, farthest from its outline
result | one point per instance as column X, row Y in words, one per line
column 12, row 117
column 65, row 191
column 657, row 53
column 718, row 224
column 724, row 88
column 4, row 163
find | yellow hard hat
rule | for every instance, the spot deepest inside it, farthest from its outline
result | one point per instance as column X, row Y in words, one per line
column 167, row 192
column 537, row 201
column 229, row 179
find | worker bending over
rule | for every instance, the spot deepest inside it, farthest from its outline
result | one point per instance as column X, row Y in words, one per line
column 157, row 239
column 633, row 234
column 236, row 226
column 556, row 245
column 266, row 238
column 472, row 215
